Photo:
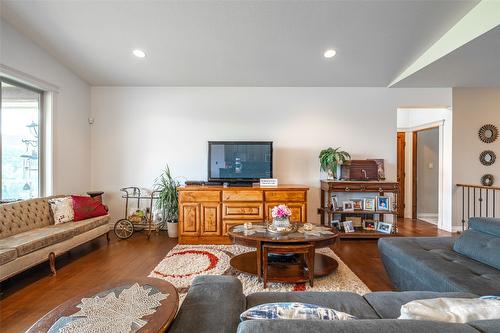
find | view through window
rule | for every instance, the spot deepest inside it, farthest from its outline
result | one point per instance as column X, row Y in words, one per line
column 20, row 141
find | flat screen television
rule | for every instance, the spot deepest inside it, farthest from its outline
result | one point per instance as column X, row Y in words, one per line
column 239, row 161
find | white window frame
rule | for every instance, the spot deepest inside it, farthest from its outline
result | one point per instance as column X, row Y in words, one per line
column 47, row 109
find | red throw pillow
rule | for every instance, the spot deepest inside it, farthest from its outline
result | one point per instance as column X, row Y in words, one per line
column 87, row 207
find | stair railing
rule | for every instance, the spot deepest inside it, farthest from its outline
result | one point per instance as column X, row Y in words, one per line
column 479, row 201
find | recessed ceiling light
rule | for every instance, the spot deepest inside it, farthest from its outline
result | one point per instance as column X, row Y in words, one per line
column 139, row 53
column 330, row 53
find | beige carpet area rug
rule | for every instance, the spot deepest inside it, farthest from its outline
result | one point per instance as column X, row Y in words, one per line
column 185, row 262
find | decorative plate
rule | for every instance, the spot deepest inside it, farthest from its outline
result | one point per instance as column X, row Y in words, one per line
column 487, row 157
column 488, row 133
column 487, row 180
column 282, row 231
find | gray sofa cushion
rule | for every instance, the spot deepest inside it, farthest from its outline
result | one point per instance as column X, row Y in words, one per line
column 486, row 225
column 213, row 304
column 352, row 326
column 347, row 302
column 479, row 246
column 429, row 263
column 388, row 304
column 7, row 255
column 486, row 326
column 32, row 240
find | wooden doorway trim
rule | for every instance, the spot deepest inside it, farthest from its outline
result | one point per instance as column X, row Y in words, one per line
column 401, row 176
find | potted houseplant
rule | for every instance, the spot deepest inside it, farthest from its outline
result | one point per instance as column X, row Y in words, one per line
column 167, row 201
column 330, row 159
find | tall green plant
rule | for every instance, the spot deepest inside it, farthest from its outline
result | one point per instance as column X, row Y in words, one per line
column 330, row 158
column 167, row 201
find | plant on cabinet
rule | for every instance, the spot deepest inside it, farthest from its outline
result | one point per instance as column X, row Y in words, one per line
column 330, row 159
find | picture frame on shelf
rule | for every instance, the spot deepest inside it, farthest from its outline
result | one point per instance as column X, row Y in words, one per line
column 335, row 224
column 385, row 228
column 348, row 206
column 369, row 204
column 357, row 204
column 356, row 221
column 383, row 203
column 380, row 168
column 335, row 203
column 348, row 226
column 369, row 225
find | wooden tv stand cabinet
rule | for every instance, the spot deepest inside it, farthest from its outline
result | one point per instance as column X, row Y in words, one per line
column 207, row 212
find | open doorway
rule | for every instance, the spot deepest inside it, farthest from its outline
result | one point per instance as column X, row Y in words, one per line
column 424, row 165
column 426, row 180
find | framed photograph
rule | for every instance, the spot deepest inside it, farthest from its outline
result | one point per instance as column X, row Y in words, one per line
column 369, row 225
column 369, row 204
column 348, row 227
column 335, row 224
column 335, row 203
column 348, row 206
column 386, row 228
column 383, row 203
column 358, row 204
column 356, row 221
column 380, row 169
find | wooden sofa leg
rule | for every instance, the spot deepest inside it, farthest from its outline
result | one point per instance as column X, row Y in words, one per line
column 52, row 262
column 107, row 236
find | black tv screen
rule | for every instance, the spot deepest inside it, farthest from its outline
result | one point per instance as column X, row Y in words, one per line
column 239, row 160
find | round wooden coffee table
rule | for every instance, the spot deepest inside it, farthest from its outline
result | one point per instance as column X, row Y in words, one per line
column 150, row 306
column 258, row 236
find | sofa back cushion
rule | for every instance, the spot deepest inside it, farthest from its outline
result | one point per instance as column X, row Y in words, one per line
column 487, row 225
column 21, row 216
column 481, row 242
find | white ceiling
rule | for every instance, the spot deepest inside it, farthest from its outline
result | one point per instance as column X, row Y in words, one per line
column 476, row 64
column 244, row 43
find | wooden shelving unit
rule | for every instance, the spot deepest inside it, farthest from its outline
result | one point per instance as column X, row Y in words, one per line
column 378, row 188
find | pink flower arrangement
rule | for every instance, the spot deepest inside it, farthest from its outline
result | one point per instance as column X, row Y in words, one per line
column 281, row 212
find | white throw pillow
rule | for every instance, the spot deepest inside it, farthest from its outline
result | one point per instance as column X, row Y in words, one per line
column 62, row 209
column 451, row 310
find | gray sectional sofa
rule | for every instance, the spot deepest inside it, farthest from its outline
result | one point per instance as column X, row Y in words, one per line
column 469, row 263
column 214, row 303
column 28, row 235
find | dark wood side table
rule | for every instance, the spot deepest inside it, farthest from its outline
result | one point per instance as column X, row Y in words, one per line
column 251, row 262
column 158, row 321
column 374, row 188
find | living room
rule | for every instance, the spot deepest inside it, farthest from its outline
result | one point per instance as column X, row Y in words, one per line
column 117, row 114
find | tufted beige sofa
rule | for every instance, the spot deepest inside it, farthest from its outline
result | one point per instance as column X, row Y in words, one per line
column 28, row 235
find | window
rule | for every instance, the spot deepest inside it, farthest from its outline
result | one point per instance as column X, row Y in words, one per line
column 20, row 141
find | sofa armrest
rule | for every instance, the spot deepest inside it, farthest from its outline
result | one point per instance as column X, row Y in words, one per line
column 212, row 304
column 352, row 326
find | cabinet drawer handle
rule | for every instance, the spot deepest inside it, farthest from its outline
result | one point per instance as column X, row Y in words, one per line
column 380, row 189
column 347, row 189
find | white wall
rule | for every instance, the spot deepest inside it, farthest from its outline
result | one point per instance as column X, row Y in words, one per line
column 71, row 108
column 473, row 108
column 138, row 130
column 414, row 119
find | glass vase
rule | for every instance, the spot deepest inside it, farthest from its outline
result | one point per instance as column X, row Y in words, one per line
column 281, row 222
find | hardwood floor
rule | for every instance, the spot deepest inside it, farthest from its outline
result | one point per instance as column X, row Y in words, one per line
column 363, row 259
column 31, row 294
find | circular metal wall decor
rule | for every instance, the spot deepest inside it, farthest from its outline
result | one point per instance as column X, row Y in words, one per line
column 487, row 157
column 488, row 133
column 487, row 180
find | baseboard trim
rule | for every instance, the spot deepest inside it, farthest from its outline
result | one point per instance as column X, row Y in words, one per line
column 429, row 218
